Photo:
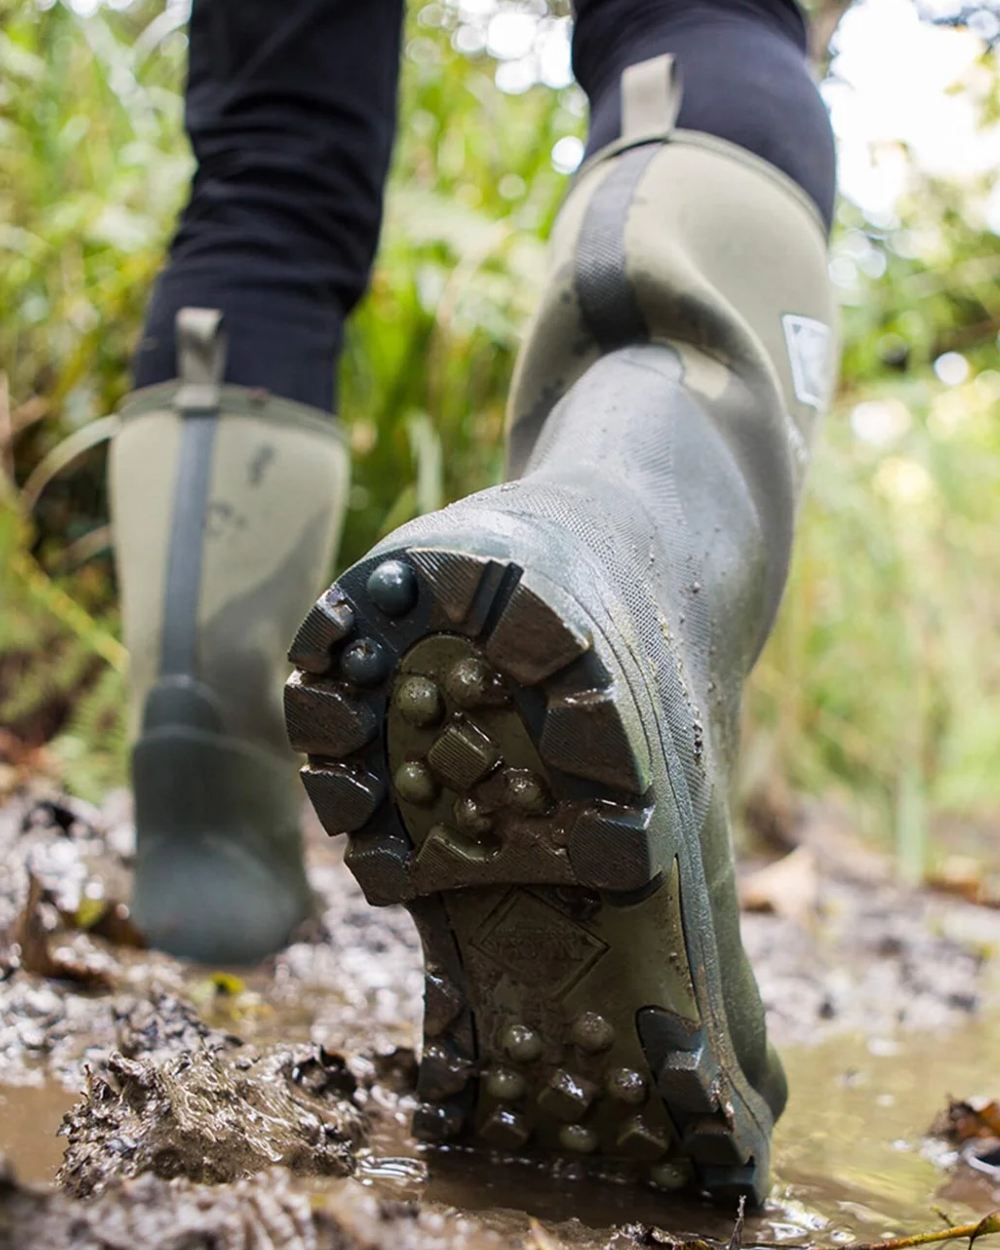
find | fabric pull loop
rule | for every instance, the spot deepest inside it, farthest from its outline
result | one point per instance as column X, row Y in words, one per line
column 201, row 359
column 651, row 99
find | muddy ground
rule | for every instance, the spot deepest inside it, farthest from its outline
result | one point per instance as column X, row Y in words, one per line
column 145, row 1102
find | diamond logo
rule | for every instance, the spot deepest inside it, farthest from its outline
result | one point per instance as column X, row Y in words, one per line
column 537, row 944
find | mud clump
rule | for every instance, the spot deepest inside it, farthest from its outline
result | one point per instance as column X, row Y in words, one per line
column 168, row 1215
column 212, row 1115
column 260, row 1213
column 163, row 1026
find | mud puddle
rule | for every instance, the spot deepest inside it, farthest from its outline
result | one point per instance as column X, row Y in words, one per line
column 883, row 1003
column 853, row 1159
column 30, row 1116
column 853, row 1155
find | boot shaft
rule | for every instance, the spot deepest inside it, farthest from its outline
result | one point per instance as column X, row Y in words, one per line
column 227, row 506
column 685, row 240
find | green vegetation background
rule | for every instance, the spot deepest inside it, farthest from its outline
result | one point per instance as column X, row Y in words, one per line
column 881, row 686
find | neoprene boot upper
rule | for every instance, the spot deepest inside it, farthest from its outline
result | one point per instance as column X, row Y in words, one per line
column 227, row 505
column 689, row 284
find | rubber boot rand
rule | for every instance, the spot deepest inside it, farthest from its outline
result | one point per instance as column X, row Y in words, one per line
column 227, row 504
column 522, row 710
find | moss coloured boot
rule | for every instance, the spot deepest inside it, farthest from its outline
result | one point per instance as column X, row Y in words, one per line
column 522, row 710
column 226, row 505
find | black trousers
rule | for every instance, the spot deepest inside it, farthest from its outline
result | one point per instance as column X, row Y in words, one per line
column 291, row 112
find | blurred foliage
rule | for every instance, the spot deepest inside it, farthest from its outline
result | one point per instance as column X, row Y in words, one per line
column 881, row 685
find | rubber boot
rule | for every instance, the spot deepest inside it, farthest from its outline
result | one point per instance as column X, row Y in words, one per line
column 523, row 709
column 227, row 504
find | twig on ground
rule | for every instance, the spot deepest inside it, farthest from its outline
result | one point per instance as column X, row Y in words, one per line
column 985, row 1227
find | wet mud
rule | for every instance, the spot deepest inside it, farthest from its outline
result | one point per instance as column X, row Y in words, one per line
column 144, row 1101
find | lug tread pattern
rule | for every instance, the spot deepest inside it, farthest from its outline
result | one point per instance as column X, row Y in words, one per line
column 715, row 1128
column 558, row 802
column 611, row 847
column 453, row 577
column 335, row 709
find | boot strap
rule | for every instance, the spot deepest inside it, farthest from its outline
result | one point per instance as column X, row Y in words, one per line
column 201, row 359
column 651, row 99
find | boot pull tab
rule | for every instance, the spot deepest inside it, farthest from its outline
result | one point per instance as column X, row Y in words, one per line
column 651, row 99
column 201, row 359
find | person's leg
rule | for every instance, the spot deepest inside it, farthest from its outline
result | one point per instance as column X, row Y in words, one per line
column 743, row 73
column 229, row 473
column 524, row 710
column 291, row 110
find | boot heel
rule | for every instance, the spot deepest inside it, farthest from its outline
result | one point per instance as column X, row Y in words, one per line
column 219, row 873
column 511, row 749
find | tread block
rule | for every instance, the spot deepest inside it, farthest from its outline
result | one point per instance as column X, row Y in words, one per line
column 566, row 1097
column 380, row 862
column 610, row 847
column 641, row 1140
column 322, row 720
column 442, row 1002
column 713, row 1142
column 506, row 1128
column 689, row 1081
column 585, row 735
column 463, row 755
column 448, row 861
column 328, row 622
column 453, row 576
column 662, row 1031
column 731, row 1183
column 531, row 640
column 344, row 799
column 444, row 862
column 443, row 1071
column 434, row 1122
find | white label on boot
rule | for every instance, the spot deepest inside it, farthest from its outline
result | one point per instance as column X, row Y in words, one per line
column 808, row 344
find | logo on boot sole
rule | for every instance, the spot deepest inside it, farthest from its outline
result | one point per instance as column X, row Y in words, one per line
column 536, row 944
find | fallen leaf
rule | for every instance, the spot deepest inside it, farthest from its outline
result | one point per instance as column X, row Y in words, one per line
column 961, row 875
column 227, row 984
column 88, row 912
column 964, row 1120
column 104, row 918
column 32, row 939
column 788, row 888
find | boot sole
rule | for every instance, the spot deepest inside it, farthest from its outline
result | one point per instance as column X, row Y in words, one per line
column 471, row 730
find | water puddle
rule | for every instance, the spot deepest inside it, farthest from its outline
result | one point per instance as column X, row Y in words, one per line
column 853, row 1161
column 852, row 1147
column 29, row 1118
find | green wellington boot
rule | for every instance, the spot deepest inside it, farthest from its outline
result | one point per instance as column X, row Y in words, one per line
column 523, row 709
column 226, row 505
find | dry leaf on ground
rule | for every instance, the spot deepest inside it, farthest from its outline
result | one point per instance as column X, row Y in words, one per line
column 789, row 887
